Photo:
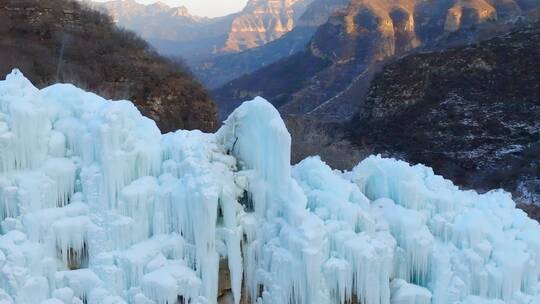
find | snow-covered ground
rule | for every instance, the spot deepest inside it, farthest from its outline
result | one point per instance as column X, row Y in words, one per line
column 98, row 206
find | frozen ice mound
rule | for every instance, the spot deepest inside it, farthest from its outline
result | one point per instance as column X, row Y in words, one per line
column 97, row 206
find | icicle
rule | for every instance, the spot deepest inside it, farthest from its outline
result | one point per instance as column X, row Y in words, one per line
column 229, row 208
column 62, row 172
column 339, row 278
column 35, row 191
column 9, row 206
column 371, row 261
column 138, row 203
column 28, row 122
column 7, row 149
column 71, row 236
column 69, row 134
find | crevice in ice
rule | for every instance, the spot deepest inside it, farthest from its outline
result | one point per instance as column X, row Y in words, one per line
column 231, row 151
column 219, row 217
column 247, row 201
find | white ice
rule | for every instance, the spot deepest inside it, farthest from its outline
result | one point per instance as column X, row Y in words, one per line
column 97, row 206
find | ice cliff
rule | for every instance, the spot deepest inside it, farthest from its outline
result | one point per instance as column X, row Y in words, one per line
column 98, row 207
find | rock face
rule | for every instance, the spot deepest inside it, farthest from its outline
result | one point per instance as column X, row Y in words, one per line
column 334, row 71
column 61, row 41
column 470, row 112
column 468, row 13
column 215, row 71
column 263, row 21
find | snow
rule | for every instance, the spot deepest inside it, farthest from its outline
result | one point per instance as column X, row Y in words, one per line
column 97, row 206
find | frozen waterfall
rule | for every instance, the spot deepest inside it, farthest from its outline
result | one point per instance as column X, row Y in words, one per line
column 97, row 206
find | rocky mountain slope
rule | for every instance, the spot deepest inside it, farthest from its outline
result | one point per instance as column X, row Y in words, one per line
column 215, row 71
column 334, row 71
column 62, row 41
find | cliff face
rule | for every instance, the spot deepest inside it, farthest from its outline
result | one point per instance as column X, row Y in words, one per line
column 354, row 43
column 263, row 21
column 61, row 41
column 470, row 112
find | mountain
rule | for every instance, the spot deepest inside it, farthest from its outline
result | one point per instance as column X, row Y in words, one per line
column 97, row 206
column 217, row 70
column 263, row 21
column 332, row 74
column 63, row 41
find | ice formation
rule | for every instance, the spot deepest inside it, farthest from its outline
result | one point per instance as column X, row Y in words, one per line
column 97, row 206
